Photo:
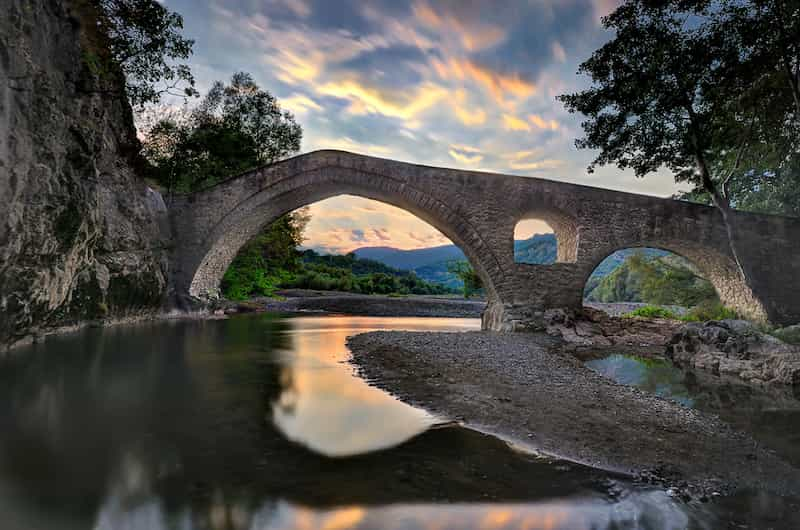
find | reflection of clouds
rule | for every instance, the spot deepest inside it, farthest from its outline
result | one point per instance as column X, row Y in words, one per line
column 645, row 510
column 327, row 409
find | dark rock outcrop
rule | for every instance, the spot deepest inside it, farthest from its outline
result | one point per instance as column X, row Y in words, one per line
column 736, row 347
column 594, row 328
column 82, row 237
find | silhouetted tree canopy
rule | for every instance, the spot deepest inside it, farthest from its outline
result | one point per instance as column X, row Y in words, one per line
column 145, row 41
column 236, row 127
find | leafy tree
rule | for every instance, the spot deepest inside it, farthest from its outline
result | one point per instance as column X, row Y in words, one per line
column 145, row 41
column 267, row 261
column 667, row 282
column 236, row 127
column 472, row 282
column 676, row 88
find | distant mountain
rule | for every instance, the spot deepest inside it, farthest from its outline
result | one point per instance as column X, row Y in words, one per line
column 430, row 264
column 539, row 249
column 411, row 259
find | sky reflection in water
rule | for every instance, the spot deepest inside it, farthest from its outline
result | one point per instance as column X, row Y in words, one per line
column 185, row 425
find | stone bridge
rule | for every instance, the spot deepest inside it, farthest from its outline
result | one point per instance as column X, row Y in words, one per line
column 478, row 212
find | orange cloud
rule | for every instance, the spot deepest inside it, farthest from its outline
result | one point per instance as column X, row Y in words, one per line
column 542, row 123
column 523, row 161
column 364, row 99
column 537, row 165
column 299, row 104
column 512, row 123
column 472, row 37
column 477, row 116
column 499, row 85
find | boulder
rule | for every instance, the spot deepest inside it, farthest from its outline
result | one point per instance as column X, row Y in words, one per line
column 735, row 347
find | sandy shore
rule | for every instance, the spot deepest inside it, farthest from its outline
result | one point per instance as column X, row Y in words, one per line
column 522, row 388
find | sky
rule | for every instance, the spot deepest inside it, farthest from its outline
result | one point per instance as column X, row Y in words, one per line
column 455, row 83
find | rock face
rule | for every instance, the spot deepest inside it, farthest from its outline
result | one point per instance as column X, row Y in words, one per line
column 81, row 235
column 735, row 347
column 594, row 328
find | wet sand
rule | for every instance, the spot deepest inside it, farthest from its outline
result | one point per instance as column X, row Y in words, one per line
column 524, row 388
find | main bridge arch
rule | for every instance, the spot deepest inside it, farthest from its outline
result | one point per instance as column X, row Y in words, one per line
column 478, row 212
column 253, row 200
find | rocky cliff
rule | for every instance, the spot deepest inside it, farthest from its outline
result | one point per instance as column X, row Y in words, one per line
column 82, row 237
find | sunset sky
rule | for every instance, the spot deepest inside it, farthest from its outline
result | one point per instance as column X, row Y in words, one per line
column 455, row 83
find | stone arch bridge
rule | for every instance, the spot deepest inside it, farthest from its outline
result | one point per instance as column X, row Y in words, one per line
column 478, row 212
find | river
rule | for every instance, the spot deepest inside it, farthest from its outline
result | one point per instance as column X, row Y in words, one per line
column 258, row 422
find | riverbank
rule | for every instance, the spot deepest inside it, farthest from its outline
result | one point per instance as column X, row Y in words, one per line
column 524, row 388
column 303, row 300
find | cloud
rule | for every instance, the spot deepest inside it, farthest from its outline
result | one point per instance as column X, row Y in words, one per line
column 364, row 99
column 357, row 235
column 558, row 52
column 527, row 161
column 348, row 144
column 297, row 7
column 471, row 33
column 465, row 154
column 501, row 86
column 512, row 123
column 538, row 165
column 382, row 234
column 299, row 104
column 542, row 123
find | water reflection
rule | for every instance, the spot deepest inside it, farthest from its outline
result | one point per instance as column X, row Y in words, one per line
column 770, row 414
column 184, row 425
column 657, row 376
column 326, row 407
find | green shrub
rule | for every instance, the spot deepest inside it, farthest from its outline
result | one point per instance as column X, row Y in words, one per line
column 652, row 311
column 790, row 334
column 710, row 311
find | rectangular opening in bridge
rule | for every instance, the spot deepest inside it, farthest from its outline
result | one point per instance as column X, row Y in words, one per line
column 535, row 242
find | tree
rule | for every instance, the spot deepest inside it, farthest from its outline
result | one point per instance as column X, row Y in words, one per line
column 145, row 41
column 236, row 127
column 465, row 272
column 268, row 260
column 676, row 88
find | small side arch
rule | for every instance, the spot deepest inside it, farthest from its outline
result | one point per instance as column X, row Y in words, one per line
column 718, row 268
column 564, row 226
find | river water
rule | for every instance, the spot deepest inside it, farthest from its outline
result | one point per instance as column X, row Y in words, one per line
column 257, row 422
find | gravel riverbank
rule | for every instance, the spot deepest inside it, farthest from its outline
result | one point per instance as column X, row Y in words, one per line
column 301, row 300
column 521, row 387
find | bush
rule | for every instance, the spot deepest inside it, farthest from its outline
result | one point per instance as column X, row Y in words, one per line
column 790, row 334
column 652, row 311
column 710, row 311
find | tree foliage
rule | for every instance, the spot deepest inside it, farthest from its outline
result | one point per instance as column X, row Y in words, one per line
column 662, row 280
column 267, row 261
column 145, row 41
column 236, row 127
column 472, row 281
column 699, row 88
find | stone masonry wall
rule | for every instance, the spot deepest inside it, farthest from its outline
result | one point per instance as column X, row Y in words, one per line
column 478, row 212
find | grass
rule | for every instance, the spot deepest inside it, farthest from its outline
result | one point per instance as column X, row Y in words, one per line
column 789, row 335
column 700, row 313
column 652, row 311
